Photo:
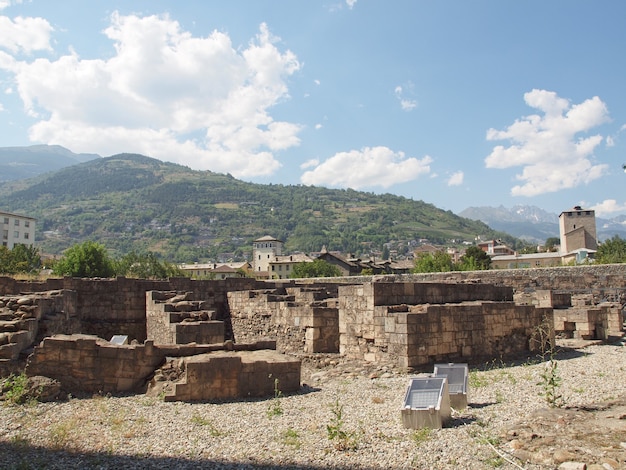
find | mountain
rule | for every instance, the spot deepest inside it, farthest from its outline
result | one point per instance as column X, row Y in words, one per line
column 535, row 225
column 26, row 162
column 132, row 202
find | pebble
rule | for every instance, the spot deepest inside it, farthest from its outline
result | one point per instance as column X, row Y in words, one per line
column 140, row 432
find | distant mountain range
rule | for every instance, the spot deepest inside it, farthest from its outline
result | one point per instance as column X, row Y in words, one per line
column 18, row 163
column 535, row 225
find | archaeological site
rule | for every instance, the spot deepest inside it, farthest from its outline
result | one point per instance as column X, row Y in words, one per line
column 192, row 340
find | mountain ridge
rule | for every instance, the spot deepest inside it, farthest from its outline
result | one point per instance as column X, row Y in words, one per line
column 132, row 202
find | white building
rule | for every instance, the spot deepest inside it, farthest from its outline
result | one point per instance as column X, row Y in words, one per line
column 17, row 229
column 264, row 250
column 577, row 228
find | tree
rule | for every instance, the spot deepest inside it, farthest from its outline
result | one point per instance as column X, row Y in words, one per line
column 552, row 243
column 21, row 259
column 612, row 250
column 315, row 268
column 438, row 262
column 146, row 266
column 88, row 259
column 475, row 259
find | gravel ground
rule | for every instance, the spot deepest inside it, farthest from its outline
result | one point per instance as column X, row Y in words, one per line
column 292, row 431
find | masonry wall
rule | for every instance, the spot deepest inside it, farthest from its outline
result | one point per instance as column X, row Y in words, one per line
column 298, row 318
column 381, row 322
column 84, row 363
column 107, row 307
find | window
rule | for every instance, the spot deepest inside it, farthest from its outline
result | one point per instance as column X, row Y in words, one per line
column 5, row 234
column 6, row 220
column 27, row 223
column 280, row 267
column 26, row 235
column 16, row 223
column 287, row 268
column 16, row 234
column 273, row 268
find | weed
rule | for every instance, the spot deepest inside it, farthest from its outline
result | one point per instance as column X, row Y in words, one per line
column 495, row 461
column 550, row 383
column 200, row 421
column 378, row 400
column 275, row 408
column 291, row 438
column 61, row 434
column 578, row 390
column 344, row 440
column 550, row 380
column 421, row 435
column 499, row 397
column 477, row 379
column 15, row 388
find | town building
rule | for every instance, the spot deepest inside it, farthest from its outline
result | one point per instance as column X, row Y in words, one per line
column 216, row 270
column 265, row 249
column 17, row 229
column 577, row 228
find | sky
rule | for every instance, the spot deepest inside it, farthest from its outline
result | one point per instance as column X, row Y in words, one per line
column 456, row 103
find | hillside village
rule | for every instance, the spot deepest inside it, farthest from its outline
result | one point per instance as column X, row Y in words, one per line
column 578, row 243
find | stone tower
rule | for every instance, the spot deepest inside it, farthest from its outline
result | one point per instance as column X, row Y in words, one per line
column 577, row 228
column 264, row 250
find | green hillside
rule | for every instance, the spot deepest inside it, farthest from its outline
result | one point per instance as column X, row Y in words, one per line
column 132, row 202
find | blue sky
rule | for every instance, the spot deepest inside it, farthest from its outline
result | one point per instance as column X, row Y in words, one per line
column 455, row 103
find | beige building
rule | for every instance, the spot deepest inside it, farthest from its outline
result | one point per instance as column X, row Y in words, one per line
column 216, row 271
column 17, row 229
column 281, row 267
column 577, row 228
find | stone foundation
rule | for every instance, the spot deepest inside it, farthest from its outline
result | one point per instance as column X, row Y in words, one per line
column 227, row 375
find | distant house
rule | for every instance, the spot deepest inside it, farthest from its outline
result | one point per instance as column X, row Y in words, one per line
column 495, row 248
column 17, row 229
column 533, row 260
column 215, row 270
column 281, row 267
column 348, row 267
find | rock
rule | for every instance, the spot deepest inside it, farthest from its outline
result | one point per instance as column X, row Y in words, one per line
column 573, row 466
column 562, row 455
column 44, row 389
column 609, row 464
column 25, row 301
column 516, row 444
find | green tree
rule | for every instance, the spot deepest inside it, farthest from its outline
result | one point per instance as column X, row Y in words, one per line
column 87, row 259
column 146, row 266
column 316, row 268
column 612, row 250
column 21, row 259
column 552, row 243
column 438, row 262
column 475, row 259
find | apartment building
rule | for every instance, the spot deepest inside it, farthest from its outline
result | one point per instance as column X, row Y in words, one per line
column 16, row 229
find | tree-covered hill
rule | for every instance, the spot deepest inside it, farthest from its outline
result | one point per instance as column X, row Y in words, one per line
column 132, row 202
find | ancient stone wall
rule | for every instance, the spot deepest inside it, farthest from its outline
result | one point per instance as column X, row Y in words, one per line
column 224, row 375
column 107, row 307
column 84, row 363
column 177, row 318
column 382, row 322
column 299, row 318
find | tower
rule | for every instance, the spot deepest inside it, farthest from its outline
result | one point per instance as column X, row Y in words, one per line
column 577, row 229
column 264, row 250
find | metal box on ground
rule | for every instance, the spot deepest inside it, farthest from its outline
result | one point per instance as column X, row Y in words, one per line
column 427, row 403
column 457, row 375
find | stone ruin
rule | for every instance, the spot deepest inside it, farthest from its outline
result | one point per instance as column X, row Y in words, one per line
column 207, row 340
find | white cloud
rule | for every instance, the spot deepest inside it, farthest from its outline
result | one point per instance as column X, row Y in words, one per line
column 310, row 163
column 405, row 104
column 351, row 3
column 318, row 126
column 456, row 179
column 547, row 147
column 608, row 206
column 194, row 100
column 368, row 167
column 610, row 142
column 25, row 34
